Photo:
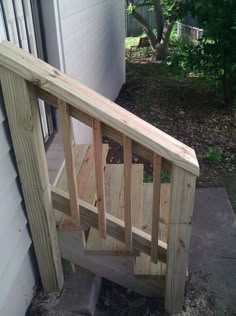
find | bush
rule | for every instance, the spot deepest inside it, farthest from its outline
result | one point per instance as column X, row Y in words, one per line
column 180, row 56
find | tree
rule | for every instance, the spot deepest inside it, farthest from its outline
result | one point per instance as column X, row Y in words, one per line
column 166, row 13
column 215, row 54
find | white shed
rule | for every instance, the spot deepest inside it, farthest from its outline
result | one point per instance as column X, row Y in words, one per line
column 86, row 39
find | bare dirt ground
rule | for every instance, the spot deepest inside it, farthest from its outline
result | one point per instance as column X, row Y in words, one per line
column 190, row 112
column 118, row 301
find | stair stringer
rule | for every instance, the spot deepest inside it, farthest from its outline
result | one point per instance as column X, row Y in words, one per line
column 116, row 269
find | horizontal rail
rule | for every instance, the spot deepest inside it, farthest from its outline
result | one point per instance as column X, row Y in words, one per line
column 115, row 226
column 107, row 131
column 84, row 99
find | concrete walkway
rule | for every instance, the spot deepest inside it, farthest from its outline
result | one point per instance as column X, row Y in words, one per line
column 212, row 261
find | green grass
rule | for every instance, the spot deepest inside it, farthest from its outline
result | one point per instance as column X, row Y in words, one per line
column 213, row 155
column 155, row 71
column 165, row 177
column 131, row 41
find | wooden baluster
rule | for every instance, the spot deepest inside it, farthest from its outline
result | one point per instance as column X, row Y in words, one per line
column 66, row 129
column 156, row 206
column 99, row 172
column 127, row 143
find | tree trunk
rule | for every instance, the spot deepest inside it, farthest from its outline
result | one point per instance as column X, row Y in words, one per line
column 162, row 49
column 159, row 19
column 146, row 28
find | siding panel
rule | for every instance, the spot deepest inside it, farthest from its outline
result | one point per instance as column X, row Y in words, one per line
column 16, row 266
column 9, row 202
column 91, row 37
column 22, row 291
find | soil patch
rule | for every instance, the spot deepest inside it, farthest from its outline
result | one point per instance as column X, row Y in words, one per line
column 190, row 113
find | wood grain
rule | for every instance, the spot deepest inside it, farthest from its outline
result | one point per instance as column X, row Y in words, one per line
column 156, row 205
column 99, row 172
column 127, row 191
column 115, row 226
column 24, row 121
column 144, row 268
column 66, row 130
column 114, row 187
column 107, row 130
column 182, row 198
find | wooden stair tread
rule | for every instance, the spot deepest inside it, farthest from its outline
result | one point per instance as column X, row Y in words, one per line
column 85, row 168
column 114, row 190
column 143, row 267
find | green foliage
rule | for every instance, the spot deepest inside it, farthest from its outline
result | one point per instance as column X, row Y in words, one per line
column 172, row 9
column 215, row 54
column 147, row 178
column 179, row 58
column 131, row 8
column 214, row 155
column 165, row 177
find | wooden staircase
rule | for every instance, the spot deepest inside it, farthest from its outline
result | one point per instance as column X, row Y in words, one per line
column 100, row 216
column 134, row 263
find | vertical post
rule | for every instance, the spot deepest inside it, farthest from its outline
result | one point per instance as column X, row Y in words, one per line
column 156, row 206
column 127, row 142
column 181, row 209
column 69, row 160
column 99, row 173
column 23, row 117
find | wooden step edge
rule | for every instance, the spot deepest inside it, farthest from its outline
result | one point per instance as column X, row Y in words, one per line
column 65, row 222
column 105, row 247
column 145, row 269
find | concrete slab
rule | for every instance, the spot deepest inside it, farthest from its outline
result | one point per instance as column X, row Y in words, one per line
column 80, row 293
column 212, row 257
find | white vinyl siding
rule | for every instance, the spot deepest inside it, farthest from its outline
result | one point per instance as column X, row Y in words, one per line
column 90, row 46
column 17, row 275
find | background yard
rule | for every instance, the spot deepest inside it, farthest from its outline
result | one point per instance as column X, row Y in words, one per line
column 185, row 106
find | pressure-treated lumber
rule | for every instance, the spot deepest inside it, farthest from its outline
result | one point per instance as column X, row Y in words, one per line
column 99, row 172
column 180, row 223
column 66, row 130
column 114, row 187
column 144, row 267
column 102, row 109
column 106, row 130
column 156, row 205
column 86, row 183
column 127, row 191
column 23, row 117
column 115, row 226
column 116, row 269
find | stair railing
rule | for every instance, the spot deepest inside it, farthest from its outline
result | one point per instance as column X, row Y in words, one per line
column 24, row 79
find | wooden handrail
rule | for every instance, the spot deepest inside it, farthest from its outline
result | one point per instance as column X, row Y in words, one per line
column 84, row 99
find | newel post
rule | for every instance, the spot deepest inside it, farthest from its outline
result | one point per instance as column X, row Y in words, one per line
column 181, row 210
column 24, row 121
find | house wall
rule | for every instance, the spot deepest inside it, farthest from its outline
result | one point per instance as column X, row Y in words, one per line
column 90, row 36
column 17, row 267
